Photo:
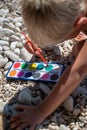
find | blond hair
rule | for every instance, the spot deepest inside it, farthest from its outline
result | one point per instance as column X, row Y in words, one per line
column 50, row 21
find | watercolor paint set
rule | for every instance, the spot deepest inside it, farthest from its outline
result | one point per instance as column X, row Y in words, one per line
column 35, row 71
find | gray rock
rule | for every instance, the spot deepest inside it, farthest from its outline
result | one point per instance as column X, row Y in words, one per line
column 79, row 90
column 63, row 127
column 17, row 19
column 19, row 45
column 36, row 100
column 2, row 106
column 25, row 96
column 11, row 55
column 1, row 57
column 13, row 45
column 1, row 48
column 6, row 48
column 18, row 24
column 9, row 26
column 4, row 12
column 6, row 110
column 0, row 75
column 4, row 43
column 58, row 50
column 8, row 65
column 17, row 51
column 7, row 32
column 1, row 20
column 44, row 88
column 76, row 112
column 3, row 62
column 68, row 104
column 26, row 55
column 14, row 38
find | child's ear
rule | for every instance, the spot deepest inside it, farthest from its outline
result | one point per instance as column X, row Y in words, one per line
column 81, row 21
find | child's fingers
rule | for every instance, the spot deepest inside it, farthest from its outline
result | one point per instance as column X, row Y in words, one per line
column 31, row 127
column 20, row 107
column 29, row 47
column 81, row 37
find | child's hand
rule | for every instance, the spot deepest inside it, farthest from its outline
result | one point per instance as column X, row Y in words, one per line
column 29, row 117
column 32, row 48
column 81, row 37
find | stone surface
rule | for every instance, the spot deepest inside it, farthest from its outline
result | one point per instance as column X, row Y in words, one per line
column 26, row 55
column 3, row 62
column 25, row 96
column 68, row 104
column 11, row 55
column 44, row 88
column 74, row 116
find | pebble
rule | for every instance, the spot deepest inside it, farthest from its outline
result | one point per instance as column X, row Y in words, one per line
column 36, row 100
column 8, row 65
column 0, row 75
column 68, row 104
column 76, row 112
column 14, row 38
column 63, row 127
column 4, row 11
column 13, row 45
column 58, row 50
column 6, row 48
column 3, row 62
column 11, row 55
column 51, row 127
column 44, row 88
column 1, row 57
column 9, row 26
column 17, row 51
column 1, row 48
column 25, row 96
column 2, row 106
column 7, row 32
column 79, row 90
column 26, row 55
column 4, row 43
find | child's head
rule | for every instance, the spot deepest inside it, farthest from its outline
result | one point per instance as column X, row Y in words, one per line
column 51, row 21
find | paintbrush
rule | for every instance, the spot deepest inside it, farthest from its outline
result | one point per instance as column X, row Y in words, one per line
column 38, row 52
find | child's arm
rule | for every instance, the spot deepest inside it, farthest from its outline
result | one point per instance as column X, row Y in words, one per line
column 70, row 79
column 67, row 83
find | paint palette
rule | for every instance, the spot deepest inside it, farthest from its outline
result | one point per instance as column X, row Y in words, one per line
column 35, row 71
